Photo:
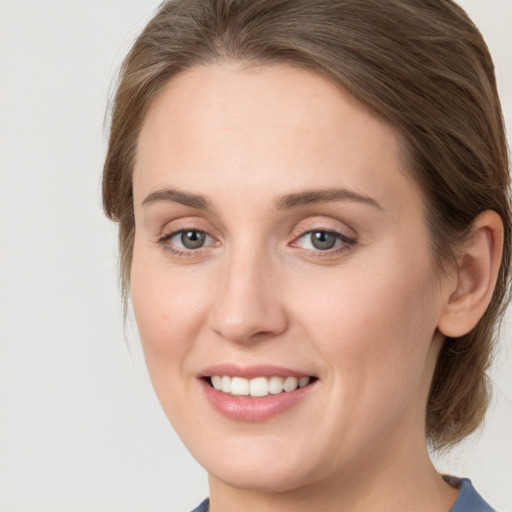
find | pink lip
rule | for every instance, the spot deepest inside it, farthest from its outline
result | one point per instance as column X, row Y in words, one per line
column 250, row 372
column 248, row 409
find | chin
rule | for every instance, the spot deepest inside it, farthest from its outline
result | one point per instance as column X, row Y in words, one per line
column 268, row 469
column 259, row 478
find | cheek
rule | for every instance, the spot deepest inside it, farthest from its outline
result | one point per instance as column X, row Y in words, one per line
column 168, row 307
column 375, row 324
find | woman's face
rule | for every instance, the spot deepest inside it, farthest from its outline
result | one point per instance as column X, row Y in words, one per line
column 280, row 242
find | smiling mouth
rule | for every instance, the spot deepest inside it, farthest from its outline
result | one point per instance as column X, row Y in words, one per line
column 257, row 387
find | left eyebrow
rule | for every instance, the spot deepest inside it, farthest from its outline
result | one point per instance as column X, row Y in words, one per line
column 308, row 197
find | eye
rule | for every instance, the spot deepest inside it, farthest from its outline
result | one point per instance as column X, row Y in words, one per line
column 191, row 239
column 322, row 240
column 186, row 240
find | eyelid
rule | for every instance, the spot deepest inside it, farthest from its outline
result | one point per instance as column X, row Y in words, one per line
column 320, row 224
column 344, row 241
column 185, row 223
column 341, row 236
column 171, row 234
column 179, row 226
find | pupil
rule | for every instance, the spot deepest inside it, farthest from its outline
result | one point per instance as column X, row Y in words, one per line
column 192, row 239
column 323, row 240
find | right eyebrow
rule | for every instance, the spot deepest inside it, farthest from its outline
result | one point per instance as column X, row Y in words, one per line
column 177, row 196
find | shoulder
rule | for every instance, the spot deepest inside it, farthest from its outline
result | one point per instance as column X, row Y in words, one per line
column 203, row 507
column 468, row 499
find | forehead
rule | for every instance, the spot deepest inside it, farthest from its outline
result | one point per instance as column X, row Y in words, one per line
column 274, row 124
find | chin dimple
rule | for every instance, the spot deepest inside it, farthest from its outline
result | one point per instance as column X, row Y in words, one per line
column 258, row 386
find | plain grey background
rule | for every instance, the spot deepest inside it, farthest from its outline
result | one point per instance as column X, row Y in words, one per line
column 80, row 427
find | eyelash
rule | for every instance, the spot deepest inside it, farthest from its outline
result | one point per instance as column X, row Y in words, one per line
column 345, row 245
column 182, row 253
column 346, row 242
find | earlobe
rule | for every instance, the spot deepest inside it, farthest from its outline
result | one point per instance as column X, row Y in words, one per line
column 477, row 272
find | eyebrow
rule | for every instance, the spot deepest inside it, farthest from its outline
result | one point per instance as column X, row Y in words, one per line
column 285, row 202
column 177, row 196
column 308, row 197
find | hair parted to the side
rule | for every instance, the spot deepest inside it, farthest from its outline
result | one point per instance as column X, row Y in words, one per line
column 421, row 65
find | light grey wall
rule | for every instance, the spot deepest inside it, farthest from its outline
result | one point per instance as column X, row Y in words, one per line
column 80, row 428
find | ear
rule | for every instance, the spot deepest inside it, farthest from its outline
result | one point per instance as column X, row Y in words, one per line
column 477, row 271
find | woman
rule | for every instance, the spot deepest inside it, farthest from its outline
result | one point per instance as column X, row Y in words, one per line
column 312, row 198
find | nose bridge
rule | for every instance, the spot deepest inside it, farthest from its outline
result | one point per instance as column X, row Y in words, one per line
column 247, row 302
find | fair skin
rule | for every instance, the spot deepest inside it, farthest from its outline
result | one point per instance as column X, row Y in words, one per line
column 280, row 276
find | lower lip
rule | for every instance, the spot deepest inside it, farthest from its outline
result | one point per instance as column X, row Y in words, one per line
column 244, row 408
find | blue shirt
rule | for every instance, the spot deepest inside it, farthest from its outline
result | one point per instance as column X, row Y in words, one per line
column 468, row 499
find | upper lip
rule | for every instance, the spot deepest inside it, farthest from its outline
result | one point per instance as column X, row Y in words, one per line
column 251, row 371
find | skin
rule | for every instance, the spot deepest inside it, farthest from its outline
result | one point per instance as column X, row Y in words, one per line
column 362, row 317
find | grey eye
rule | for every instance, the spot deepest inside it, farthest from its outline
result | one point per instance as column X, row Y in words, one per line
column 192, row 239
column 323, row 240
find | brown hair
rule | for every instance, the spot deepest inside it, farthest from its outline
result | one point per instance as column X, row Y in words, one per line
column 421, row 65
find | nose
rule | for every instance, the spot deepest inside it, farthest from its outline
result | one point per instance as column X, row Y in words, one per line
column 246, row 305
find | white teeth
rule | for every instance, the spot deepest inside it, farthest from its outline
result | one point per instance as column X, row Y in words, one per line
column 239, row 386
column 303, row 381
column 290, row 384
column 257, row 387
column 226, row 384
column 217, row 382
column 275, row 385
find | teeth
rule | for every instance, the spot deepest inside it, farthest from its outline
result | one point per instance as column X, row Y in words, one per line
column 275, row 385
column 257, row 387
column 226, row 384
column 239, row 386
column 217, row 382
column 290, row 384
column 303, row 381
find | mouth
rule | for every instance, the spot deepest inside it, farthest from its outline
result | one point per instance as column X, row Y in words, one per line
column 255, row 393
column 258, row 387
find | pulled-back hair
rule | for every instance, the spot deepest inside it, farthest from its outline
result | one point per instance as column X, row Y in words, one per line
column 420, row 65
